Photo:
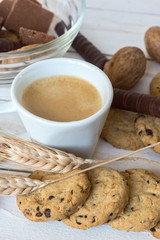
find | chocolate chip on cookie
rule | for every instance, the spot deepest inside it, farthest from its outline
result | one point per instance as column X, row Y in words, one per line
column 143, row 209
column 55, row 201
column 155, row 231
column 147, row 128
column 119, row 130
column 108, row 197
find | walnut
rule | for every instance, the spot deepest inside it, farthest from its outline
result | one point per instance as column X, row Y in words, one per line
column 126, row 67
column 152, row 42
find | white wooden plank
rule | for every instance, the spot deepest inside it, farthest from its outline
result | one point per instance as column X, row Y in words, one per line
column 111, row 31
column 141, row 7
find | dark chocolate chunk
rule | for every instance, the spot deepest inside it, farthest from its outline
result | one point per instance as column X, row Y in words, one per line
column 20, row 203
column 51, row 197
column 72, row 192
column 61, row 200
column 140, row 133
column 38, row 208
column 153, row 229
column 85, row 216
column 39, row 214
column 149, row 132
column 132, row 208
column 111, row 214
column 80, row 216
column 148, row 181
column 79, row 223
column 153, row 194
column 93, row 219
column 47, row 212
column 135, row 120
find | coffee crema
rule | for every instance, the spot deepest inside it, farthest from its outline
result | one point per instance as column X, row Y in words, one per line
column 62, row 98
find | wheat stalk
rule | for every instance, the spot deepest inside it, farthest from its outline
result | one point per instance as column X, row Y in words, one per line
column 16, row 185
column 38, row 157
column 13, row 185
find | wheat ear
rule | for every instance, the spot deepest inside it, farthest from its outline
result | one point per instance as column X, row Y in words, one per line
column 16, row 185
column 38, row 157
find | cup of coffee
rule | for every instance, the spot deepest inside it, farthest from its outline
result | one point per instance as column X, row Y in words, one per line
column 63, row 103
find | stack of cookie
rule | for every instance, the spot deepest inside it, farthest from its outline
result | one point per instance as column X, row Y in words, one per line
column 126, row 201
column 131, row 131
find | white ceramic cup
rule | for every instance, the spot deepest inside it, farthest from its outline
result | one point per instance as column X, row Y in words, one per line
column 78, row 137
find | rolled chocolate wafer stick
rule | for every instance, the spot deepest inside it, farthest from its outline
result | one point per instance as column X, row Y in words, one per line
column 84, row 47
column 136, row 102
column 8, row 45
column 88, row 51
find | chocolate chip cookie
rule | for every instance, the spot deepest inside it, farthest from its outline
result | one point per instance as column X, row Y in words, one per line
column 108, row 197
column 143, row 209
column 155, row 85
column 55, row 201
column 19, row 57
column 119, row 130
column 148, row 129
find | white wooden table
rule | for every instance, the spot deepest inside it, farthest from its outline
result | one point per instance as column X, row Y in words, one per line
column 110, row 25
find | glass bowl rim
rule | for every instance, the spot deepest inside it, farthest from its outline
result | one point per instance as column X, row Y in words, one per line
column 55, row 41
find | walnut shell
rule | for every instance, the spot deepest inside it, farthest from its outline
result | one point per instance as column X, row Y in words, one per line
column 126, row 67
column 152, row 42
column 155, row 85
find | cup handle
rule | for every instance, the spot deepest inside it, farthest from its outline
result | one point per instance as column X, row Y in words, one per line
column 7, row 107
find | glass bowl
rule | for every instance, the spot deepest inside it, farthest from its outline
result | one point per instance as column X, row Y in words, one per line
column 69, row 14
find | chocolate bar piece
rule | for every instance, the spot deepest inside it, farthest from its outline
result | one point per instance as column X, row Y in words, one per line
column 28, row 36
column 35, row 1
column 28, row 14
column 5, row 7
